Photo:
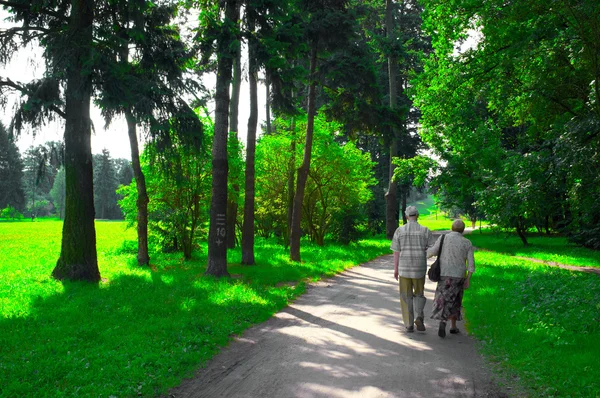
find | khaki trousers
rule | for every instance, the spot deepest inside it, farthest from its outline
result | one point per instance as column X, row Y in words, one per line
column 412, row 299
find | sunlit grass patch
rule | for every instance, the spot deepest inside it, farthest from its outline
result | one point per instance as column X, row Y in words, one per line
column 141, row 330
column 436, row 222
column 546, row 248
column 538, row 323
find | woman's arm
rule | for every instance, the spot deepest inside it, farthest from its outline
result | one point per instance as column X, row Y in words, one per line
column 434, row 250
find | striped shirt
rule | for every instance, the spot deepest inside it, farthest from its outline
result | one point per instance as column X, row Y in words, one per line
column 457, row 255
column 411, row 241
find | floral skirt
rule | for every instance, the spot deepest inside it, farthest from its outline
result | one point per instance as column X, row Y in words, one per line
column 448, row 298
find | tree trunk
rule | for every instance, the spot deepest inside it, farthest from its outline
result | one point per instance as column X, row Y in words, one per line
column 248, row 227
column 143, row 257
column 217, row 234
column 304, row 168
column 391, row 196
column 521, row 233
column 232, row 204
column 236, row 83
column 291, row 174
column 403, row 205
column 268, row 102
column 78, row 258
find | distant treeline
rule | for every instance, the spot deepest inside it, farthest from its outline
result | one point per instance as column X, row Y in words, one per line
column 32, row 184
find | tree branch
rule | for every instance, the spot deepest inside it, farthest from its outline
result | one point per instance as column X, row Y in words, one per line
column 17, row 87
column 26, row 8
column 23, row 29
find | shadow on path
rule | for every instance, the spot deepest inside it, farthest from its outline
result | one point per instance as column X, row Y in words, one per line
column 344, row 338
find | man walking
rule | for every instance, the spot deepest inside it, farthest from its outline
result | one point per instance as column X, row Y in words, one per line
column 410, row 265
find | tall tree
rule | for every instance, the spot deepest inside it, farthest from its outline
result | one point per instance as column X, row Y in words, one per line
column 248, row 226
column 11, row 173
column 78, row 259
column 232, row 200
column 295, row 230
column 226, row 49
column 337, row 61
column 33, row 171
column 391, row 196
column 81, row 40
column 65, row 29
column 58, row 192
column 105, row 185
column 124, row 171
column 143, row 79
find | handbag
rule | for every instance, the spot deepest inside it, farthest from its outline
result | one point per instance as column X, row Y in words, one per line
column 435, row 271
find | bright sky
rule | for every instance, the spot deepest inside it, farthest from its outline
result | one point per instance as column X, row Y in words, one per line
column 28, row 65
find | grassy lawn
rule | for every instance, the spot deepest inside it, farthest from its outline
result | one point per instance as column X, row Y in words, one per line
column 539, row 324
column 547, row 248
column 432, row 217
column 140, row 331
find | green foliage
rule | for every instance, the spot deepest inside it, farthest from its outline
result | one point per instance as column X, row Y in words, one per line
column 10, row 213
column 179, row 192
column 58, row 192
column 105, row 186
column 41, row 164
column 414, row 171
column 273, row 156
column 11, row 173
column 338, row 181
column 141, row 331
column 514, row 117
column 530, row 316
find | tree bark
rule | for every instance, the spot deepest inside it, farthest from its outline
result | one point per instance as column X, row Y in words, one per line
column 78, row 258
column 403, row 204
column 268, row 102
column 217, row 234
column 248, row 226
column 391, row 196
column 521, row 232
column 291, row 175
column 232, row 204
column 143, row 257
column 236, row 83
column 304, row 168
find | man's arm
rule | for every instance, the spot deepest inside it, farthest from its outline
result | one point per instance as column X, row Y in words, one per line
column 396, row 261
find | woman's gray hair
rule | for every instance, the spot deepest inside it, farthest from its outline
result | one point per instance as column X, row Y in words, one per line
column 458, row 226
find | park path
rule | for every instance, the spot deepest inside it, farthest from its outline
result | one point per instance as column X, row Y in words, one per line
column 344, row 338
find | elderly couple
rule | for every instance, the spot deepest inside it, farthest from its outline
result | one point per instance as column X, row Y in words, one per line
column 410, row 265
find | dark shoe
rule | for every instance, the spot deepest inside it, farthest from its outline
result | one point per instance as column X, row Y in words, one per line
column 442, row 330
column 410, row 329
column 454, row 331
column 419, row 324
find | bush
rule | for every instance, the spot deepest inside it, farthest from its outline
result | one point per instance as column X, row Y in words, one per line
column 349, row 226
column 10, row 213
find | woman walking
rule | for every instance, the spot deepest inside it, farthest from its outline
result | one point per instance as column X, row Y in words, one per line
column 457, row 264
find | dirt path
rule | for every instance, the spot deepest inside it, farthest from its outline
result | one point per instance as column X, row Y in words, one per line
column 344, row 338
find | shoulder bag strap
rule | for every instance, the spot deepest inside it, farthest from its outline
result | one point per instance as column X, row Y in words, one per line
column 441, row 245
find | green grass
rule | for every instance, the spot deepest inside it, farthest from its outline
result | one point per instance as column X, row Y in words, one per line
column 430, row 216
column 439, row 222
column 140, row 331
column 546, row 248
column 540, row 325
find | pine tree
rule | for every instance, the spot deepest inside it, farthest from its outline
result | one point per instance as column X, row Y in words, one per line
column 11, row 173
column 105, row 185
